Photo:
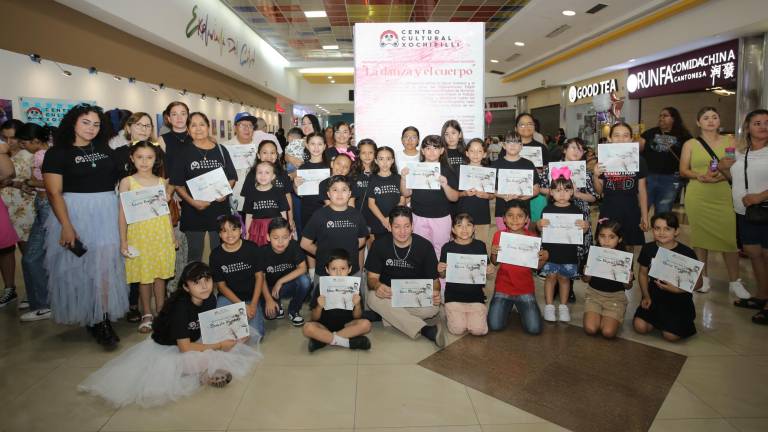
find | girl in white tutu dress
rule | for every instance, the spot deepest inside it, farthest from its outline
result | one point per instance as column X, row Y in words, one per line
column 172, row 363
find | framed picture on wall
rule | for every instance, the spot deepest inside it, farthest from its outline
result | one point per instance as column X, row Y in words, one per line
column 213, row 128
column 229, row 129
column 221, row 129
column 6, row 110
column 160, row 123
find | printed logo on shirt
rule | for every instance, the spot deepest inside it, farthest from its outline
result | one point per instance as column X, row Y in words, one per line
column 399, row 263
column 236, row 267
column 455, row 160
column 340, row 224
column 280, row 268
column 265, row 205
column 386, row 189
column 193, row 325
column 620, row 180
column 663, row 143
column 204, row 164
column 90, row 158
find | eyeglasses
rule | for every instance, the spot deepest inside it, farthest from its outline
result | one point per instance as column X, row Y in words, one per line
column 143, row 125
column 525, row 125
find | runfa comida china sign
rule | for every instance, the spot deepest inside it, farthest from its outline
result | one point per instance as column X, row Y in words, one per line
column 713, row 66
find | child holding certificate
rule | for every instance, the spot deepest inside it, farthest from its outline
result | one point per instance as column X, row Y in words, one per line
column 512, row 160
column 340, row 327
column 477, row 202
column 514, row 284
column 311, row 203
column 383, row 191
column 262, row 203
column 563, row 264
column 149, row 245
column 465, row 302
column 452, row 139
column 341, row 165
column 267, row 152
column 664, row 306
column 173, row 364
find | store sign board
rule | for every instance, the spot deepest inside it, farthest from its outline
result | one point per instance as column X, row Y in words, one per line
column 713, row 66
column 576, row 93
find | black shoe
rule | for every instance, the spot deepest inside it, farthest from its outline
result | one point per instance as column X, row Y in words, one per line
column 315, row 345
column 571, row 297
column 104, row 337
column 111, row 330
column 133, row 315
column 359, row 343
column 429, row 332
column 371, row 316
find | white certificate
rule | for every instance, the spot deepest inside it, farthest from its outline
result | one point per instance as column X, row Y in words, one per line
column 619, row 157
column 243, row 155
column 466, row 269
column 411, row 292
column 144, row 204
column 224, row 323
column 423, row 175
column 578, row 172
column 562, row 229
column 338, row 291
column 533, row 154
column 478, row 178
column 611, row 264
column 515, row 182
column 676, row 269
column 312, row 179
column 209, row 186
column 519, row 250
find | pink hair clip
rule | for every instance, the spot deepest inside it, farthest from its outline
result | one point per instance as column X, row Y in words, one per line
column 564, row 172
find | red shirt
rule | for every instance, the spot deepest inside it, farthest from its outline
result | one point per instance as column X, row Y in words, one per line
column 512, row 279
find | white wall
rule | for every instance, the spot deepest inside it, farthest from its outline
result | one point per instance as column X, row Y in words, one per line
column 310, row 94
column 23, row 78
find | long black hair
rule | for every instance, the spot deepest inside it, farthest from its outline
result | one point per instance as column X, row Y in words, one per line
column 65, row 135
column 157, row 167
column 315, row 123
column 678, row 127
column 33, row 131
column 192, row 272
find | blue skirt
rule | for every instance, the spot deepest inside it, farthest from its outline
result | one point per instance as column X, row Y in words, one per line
column 83, row 289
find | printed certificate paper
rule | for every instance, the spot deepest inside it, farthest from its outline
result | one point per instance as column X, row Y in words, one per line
column 144, row 204
column 609, row 264
column 515, row 182
column 533, row 154
column 578, row 172
column 619, row 157
column 411, row 292
column 209, row 186
column 519, row 250
column 562, row 229
column 478, row 178
column 338, row 291
column 312, row 179
column 423, row 175
column 676, row 269
column 466, row 269
column 243, row 155
column 224, row 323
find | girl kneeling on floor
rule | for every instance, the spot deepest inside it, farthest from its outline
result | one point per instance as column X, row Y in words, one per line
column 173, row 363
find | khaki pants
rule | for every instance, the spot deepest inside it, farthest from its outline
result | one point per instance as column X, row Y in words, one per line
column 407, row 320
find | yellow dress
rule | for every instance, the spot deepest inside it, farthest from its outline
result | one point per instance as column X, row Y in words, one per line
column 709, row 206
column 153, row 239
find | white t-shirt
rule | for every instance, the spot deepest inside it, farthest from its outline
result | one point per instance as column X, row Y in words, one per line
column 401, row 159
column 757, row 169
column 118, row 141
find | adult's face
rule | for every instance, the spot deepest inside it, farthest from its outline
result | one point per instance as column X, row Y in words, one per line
column 9, row 136
column 198, row 128
column 525, row 127
column 758, row 128
column 709, row 121
column 342, row 136
column 87, row 127
column 141, row 130
column 306, row 126
column 244, row 131
column 402, row 229
column 178, row 117
column 666, row 121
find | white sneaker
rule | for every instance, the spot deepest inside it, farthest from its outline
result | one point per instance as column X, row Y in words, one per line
column 24, row 304
column 38, row 315
column 737, row 288
column 549, row 313
column 705, row 286
column 563, row 313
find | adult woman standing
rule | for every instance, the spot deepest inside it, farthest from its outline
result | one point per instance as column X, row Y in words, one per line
column 525, row 128
column 341, row 142
column 708, row 200
column 86, row 271
column 201, row 156
column 749, row 172
column 661, row 148
column 175, row 115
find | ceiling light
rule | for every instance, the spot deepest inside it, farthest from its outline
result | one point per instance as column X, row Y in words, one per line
column 494, row 61
column 183, row 92
column 64, row 72
column 330, row 47
column 92, row 70
column 132, row 80
column 162, row 86
column 117, row 78
column 333, row 82
column 632, row 60
column 202, row 96
column 35, row 58
column 154, row 89
column 518, row 43
column 330, row 77
column 569, row 13
column 315, row 14
column 327, row 70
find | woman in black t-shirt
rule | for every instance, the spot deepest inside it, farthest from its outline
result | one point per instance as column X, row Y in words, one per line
column 176, row 115
column 87, row 282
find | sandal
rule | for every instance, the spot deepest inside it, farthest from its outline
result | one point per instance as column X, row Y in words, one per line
column 761, row 317
column 750, row 303
column 146, row 324
column 218, row 379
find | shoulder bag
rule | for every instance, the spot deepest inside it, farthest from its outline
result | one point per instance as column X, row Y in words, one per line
column 756, row 213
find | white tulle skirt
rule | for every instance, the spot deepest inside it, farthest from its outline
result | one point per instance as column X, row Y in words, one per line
column 150, row 374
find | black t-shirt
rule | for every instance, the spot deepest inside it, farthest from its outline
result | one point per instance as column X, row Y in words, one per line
column 89, row 169
column 174, row 142
column 522, row 163
column 191, row 162
column 310, row 203
column 478, row 208
column 360, row 192
column 330, row 316
column 545, row 155
column 181, row 321
column 623, row 182
column 648, row 253
column 418, row 261
column 458, row 292
column 455, row 158
column 385, row 191
column 562, row 253
column 332, row 229
column 662, row 151
column 237, row 269
column 265, row 204
column 433, row 203
column 275, row 265
column 282, row 182
column 606, row 285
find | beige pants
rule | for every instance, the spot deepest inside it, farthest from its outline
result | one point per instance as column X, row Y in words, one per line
column 407, row 320
column 467, row 317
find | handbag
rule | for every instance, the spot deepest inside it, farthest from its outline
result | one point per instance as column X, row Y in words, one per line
column 710, row 151
column 756, row 213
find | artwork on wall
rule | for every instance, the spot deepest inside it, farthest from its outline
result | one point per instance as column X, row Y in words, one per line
column 221, row 129
column 47, row 111
column 160, row 123
column 6, row 110
column 213, row 128
column 229, row 129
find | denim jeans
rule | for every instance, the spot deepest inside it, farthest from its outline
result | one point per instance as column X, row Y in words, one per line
column 35, row 275
column 256, row 322
column 297, row 290
column 662, row 191
column 501, row 306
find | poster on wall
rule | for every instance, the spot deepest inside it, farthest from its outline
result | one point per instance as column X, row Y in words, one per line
column 229, row 129
column 213, row 128
column 47, row 111
column 6, row 110
column 419, row 74
column 160, row 123
column 221, row 129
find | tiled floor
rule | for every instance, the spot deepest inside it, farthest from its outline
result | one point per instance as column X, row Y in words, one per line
column 723, row 385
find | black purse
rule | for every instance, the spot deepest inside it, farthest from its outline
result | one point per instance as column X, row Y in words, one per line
column 756, row 213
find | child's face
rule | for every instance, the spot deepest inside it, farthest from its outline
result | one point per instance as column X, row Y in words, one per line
column 339, row 194
column 342, row 135
column 143, row 159
column 526, row 127
column 573, row 152
column 621, row 134
column 316, row 147
column 279, row 239
column 410, row 140
column 608, row 239
column 264, row 174
column 451, row 137
column 664, row 233
column 562, row 195
column 385, row 160
column 513, row 147
column 338, row 267
column 294, row 137
column 367, row 154
column 475, row 153
column 432, row 153
column 515, row 219
column 341, row 166
column 463, row 230
column 199, row 290
column 229, row 234
column 268, row 153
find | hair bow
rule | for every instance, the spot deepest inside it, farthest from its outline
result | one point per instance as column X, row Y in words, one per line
column 564, row 172
column 601, row 220
column 347, row 152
